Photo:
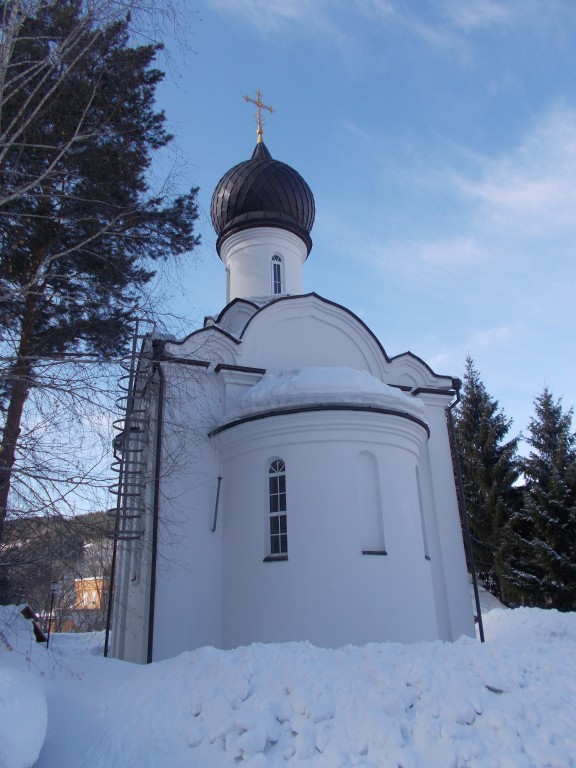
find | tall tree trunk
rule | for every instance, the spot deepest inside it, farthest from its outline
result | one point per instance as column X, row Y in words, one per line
column 20, row 380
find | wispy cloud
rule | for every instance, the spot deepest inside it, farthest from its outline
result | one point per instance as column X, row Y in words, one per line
column 442, row 25
column 477, row 14
column 268, row 16
column 335, row 21
column 487, row 344
column 489, row 337
column 378, row 9
column 532, row 189
column 447, row 252
column 490, row 211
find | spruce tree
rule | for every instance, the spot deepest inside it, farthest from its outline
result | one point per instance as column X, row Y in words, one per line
column 77, row 243
column 538, row 554
column 489, row 471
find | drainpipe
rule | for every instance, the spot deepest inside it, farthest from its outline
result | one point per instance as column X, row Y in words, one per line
column 462, row 508
column 110, row 593
column 158, row 349
column 216, row 505
column 111, row 585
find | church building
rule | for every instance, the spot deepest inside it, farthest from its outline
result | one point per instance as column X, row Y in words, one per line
column 282, row 478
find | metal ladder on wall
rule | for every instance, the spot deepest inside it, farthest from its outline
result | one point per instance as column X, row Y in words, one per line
column 129, row 447
column 130, row 443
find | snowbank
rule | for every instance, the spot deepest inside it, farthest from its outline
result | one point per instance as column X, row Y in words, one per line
column 508, row 703
column 23, row 718
column 23, row 710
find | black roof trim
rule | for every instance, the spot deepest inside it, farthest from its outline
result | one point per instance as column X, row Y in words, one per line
column 432, row 391
column 242, row 368
column 237, row 300
column 296, row 296
column 183, row 361
column 316, row 408
column 456, row 383
column 425, row 364
column 207, row 329
column 256, row 219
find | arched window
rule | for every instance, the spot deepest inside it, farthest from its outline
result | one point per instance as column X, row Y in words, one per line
column 277, row 496
column 276, row 274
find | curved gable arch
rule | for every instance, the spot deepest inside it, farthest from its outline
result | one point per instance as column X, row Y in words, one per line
column 408, row 370
column 211, row 344
column 308, row 330
column 234, row 316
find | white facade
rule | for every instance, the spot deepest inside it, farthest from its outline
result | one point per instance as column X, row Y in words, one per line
column 292, row 481
column 374, row 544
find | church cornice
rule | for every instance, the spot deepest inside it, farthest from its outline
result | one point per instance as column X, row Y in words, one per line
column 455, row 383
column 433, row 391
column 162, row 358
column 240, row 368
column 317, row 408
column 207, row 330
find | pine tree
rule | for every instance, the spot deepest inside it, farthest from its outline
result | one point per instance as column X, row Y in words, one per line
column 538, row 553
column 489, row 471
column 77, row 242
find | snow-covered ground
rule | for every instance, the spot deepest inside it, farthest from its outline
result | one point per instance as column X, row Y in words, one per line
column 510, row 702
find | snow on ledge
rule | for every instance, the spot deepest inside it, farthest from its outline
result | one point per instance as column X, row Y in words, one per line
column 296, row 387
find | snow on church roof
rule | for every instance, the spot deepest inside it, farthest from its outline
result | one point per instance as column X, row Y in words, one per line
column 324, row 385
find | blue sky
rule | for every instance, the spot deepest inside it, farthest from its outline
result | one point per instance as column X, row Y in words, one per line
column 439, row 140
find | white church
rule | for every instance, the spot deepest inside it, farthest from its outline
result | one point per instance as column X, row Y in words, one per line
column 282, row 478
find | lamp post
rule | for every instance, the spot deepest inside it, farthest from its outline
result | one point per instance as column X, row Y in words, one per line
column 53, row 593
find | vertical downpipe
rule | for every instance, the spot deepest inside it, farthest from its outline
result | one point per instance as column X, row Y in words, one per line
column 216, row 505
column 155, row 508
column 463, row 511
column 110, row 593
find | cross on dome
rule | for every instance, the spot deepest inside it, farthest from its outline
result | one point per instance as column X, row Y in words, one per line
column 258, row 115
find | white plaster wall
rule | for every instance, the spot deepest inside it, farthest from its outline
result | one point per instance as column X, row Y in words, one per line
column 435, row 552
column 327, row 591
column 247, row 257
column 448, row 519
column 237, row 315
column 206, row 344
column 129, row 636
column 308, row 331
column 214, row 589
column 410, row 370
column 188, row 605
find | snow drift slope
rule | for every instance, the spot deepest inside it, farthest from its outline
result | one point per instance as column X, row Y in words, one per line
column 23, row 715
column 507, row 703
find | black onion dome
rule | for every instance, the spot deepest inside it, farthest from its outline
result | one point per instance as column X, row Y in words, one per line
column 262, row 192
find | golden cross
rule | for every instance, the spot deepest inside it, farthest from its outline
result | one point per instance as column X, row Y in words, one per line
column 259, row 107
